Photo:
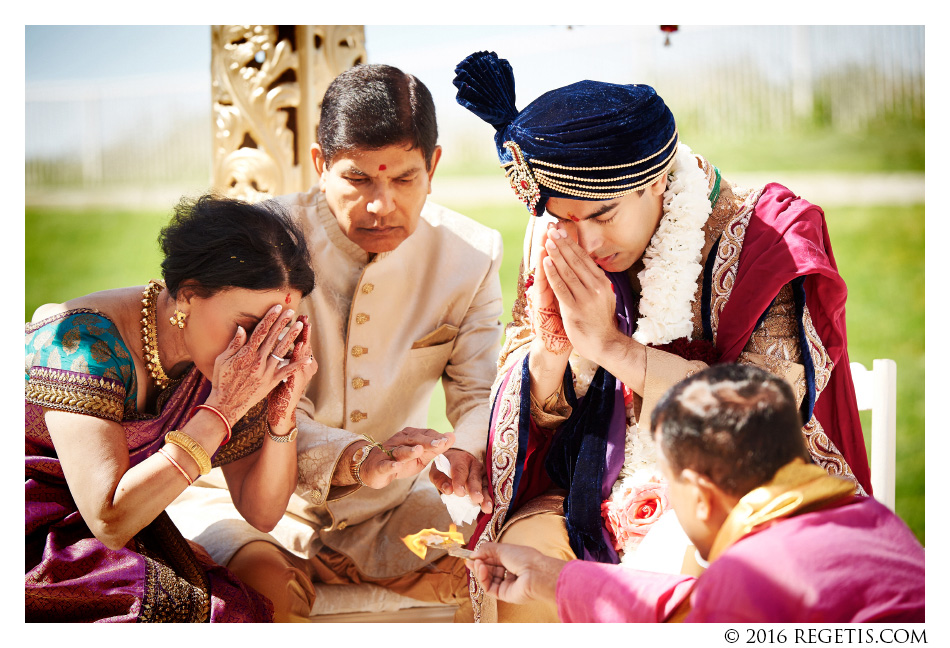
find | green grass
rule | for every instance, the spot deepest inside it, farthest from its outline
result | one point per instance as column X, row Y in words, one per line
column 70, row 253
column 898, row 147
column 880, row 253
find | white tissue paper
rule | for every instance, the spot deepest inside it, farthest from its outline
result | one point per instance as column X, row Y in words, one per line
column 461, row 508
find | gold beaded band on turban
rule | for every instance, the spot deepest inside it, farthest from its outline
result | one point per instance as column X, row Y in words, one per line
column 526, row 179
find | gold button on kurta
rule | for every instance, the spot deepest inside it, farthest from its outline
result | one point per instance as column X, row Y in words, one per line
column 367, row 288
column 362, row 318
column 357, row 351
column 356, row 416
column 359, row 383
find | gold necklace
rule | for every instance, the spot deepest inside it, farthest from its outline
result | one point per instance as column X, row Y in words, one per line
column 150, row 333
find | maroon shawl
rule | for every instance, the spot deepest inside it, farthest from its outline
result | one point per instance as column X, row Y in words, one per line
column 787, row 239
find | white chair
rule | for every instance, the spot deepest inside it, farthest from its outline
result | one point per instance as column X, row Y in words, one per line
column 876, row 390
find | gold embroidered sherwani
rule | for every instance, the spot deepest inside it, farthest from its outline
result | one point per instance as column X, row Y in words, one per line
column 774, row 346
column 384, row 333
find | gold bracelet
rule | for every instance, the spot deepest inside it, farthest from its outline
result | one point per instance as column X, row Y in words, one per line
column 282, row 438
column 358, row 458
column 192, row 447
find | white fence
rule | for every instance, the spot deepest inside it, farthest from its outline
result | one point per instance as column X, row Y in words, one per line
column 118, row 132
column 779, row 78
column 150, row 131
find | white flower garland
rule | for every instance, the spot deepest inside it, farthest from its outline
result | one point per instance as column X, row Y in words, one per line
column 668, row 283
column 671, row 262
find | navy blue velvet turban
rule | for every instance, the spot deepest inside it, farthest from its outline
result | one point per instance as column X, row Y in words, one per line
column 589, row 140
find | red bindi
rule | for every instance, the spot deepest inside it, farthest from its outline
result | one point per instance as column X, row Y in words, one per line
column 382, row 167
column 287, row 299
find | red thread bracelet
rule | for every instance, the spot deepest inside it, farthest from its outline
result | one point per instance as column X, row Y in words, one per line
column 220, row 415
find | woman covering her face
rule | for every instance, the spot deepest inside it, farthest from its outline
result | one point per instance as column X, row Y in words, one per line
column 133, row 393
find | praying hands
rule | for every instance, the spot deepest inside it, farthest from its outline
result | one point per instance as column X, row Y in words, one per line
column 584, row 298
column 582, row 293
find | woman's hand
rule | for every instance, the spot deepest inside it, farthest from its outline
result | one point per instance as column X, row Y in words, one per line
column 249, row 369
column 283, row 399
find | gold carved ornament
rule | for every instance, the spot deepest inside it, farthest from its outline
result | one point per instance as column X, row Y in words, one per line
column 267, row 82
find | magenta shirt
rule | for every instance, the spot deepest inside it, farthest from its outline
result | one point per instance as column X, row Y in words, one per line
column 856, row 562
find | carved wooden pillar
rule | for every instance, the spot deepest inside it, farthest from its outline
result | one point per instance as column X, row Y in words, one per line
column 266, row 84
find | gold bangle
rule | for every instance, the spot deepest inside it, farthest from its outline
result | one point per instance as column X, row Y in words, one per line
column 192, row 447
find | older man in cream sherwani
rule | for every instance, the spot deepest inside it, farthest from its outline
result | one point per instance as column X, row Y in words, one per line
column 407, row 292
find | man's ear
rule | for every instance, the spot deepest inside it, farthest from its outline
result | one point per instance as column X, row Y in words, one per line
column 436, row 156
column 319, row 163
column 704, row 492
column 658, row 188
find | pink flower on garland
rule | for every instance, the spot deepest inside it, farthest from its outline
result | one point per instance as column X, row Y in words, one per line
column 631, row 515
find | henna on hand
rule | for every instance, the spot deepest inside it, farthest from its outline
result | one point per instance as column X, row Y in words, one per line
column 282, row 401
column 242, row 376
column 551, row 328
column 279, row 404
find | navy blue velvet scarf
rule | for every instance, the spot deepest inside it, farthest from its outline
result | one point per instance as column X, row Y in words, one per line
column 589, row 445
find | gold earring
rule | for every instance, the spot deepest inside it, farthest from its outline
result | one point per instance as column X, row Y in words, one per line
column 178, row 319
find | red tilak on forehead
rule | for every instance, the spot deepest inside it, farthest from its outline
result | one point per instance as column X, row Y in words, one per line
column 572, row 217
column 382, row 167
column 287, row 299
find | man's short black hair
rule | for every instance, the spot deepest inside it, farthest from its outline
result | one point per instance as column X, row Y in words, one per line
column 735, row 424
column 375, row 106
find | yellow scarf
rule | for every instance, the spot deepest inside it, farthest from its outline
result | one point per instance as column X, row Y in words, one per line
column 796, row 488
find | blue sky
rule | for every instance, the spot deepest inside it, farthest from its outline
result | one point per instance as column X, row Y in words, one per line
column 59, row 53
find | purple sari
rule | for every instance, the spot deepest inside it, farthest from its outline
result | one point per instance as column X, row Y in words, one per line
column 158, row 575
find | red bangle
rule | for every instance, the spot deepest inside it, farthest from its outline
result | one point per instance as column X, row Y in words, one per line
column 162, row 452
column 220, row 415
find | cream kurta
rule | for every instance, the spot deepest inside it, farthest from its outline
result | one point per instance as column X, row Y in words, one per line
column 384, row 333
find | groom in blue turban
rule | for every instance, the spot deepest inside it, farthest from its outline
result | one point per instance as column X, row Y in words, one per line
column 642, row 266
